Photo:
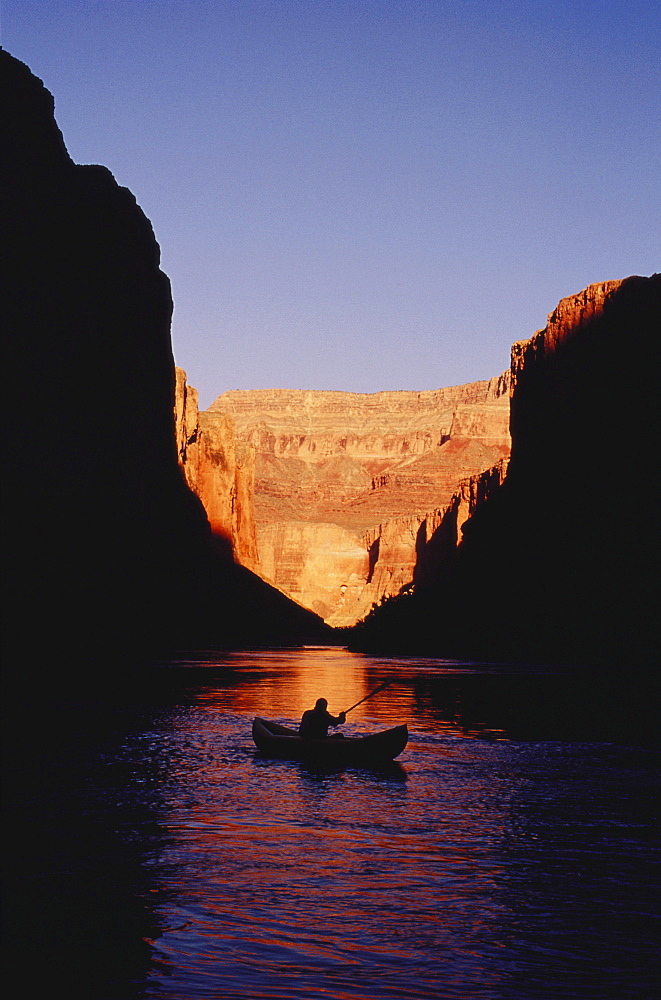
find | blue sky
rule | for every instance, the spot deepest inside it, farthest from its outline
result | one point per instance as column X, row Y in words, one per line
column 364, row 194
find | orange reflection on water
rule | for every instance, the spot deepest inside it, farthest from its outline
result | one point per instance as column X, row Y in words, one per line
column 286, row 692
column 336, row 675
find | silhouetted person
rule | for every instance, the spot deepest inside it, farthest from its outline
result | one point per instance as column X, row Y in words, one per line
column 315, row 722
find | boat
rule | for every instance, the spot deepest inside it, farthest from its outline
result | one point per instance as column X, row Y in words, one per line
column 274, row 740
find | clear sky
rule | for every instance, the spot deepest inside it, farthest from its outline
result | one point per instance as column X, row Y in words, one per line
column 365, row 194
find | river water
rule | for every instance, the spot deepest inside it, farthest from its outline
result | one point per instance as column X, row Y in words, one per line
column 510, row 853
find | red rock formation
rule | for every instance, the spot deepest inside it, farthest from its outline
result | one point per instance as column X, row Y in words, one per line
column 186, row 426
column 220, row 470
column 571, row 315
column 344, row 482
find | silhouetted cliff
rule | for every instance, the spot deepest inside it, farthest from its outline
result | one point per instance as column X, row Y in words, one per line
column 561, row 562
column 106, row 550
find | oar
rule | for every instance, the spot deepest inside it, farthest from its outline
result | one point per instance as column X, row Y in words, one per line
column 370, row 695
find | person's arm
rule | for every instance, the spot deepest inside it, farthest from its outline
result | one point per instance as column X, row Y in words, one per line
column 337, row 721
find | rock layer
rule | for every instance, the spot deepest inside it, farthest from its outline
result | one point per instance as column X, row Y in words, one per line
column 344, row 481
column 221, row 472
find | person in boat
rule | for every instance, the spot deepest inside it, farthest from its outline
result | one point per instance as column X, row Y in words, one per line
column 315, row 722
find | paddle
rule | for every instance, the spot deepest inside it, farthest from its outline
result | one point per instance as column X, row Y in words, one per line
column 370, row 695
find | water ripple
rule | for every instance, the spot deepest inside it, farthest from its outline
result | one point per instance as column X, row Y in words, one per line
column 478, row 866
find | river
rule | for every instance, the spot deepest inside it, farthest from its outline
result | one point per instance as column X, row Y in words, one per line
column 510, row 853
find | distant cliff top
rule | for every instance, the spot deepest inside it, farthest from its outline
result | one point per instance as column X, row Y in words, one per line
column 318, row 410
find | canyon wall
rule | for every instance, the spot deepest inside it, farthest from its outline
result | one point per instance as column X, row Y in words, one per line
column 108, row 558
column 578, row 512
column 442, row 532
column 107, row 553
column 345, row 482
column 572, row 531
column 220, row 470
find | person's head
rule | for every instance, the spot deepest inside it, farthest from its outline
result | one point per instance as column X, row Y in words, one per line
column 321, row 704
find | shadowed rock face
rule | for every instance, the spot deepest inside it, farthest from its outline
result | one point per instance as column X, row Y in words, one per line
column 578, row 511
column 107, row 554
column 345, row 483
column 571, row 534
column 106, row 549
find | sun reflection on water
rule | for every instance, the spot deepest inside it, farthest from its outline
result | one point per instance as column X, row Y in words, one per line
column 315, row 672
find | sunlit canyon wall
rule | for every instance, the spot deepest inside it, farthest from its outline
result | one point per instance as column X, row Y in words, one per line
column 106, row 552
column 220, row 470
column 348, row 485
column 571, row 534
